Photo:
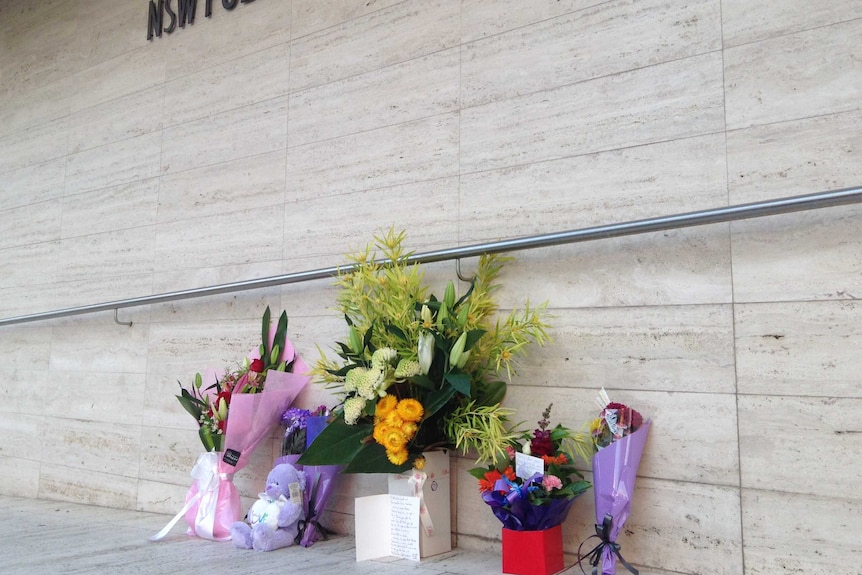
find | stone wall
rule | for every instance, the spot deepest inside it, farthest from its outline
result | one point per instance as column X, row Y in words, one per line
column 278, row 136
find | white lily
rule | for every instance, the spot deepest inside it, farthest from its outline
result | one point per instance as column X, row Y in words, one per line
column 426, row 351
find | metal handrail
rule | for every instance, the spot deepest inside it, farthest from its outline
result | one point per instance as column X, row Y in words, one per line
column 689, row 219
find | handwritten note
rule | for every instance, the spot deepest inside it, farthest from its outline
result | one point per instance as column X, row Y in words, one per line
column 387, row 525
column 405, row 527
column 527, row 465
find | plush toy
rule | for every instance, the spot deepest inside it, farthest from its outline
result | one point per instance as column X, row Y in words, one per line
column 272, row 522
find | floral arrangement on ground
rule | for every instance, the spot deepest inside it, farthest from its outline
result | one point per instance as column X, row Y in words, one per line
column 417, row 372
column 534, row 486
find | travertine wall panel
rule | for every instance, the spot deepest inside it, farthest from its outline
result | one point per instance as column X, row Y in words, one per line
column 33, row 184
column 238, row 82
column 585, row 44
column 33, row 145
column 108, row 209
column 805, row 433
column 406, row 91
column 246, row 131
column 784, row 533
column 118, row 162
column 424, row 149
column 393, row 34
column 683, row 349
column 137, row 114
column 275, row 137
column 821, row 73
column 480, row 18
column 204, row 242
column 799, row 349
column 679, row 267
column 672, row 100
column 747, row 21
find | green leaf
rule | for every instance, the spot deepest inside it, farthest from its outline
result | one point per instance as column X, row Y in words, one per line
column 206, row 438
column 280, row 334
column 466, row 295
column 473, row 336
column 460, row 381
column 491, row 393
column 343, row 371
column 372, row 459
column 337, row 444
column 423, row 381
column 437, row 400
column 264, row 334
column 478, row 472
column 396, row 331
column 366, row 341
column 191, row 404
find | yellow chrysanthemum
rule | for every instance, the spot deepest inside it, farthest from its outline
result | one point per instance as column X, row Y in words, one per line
column 379, row 432
column 409, row 429
column 385, row 406
column 397, row 457
column 394, row 440
column 410, row 410
column 419, row 464
column 394, row 419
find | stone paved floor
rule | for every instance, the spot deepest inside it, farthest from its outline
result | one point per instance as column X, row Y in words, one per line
column 50, row 537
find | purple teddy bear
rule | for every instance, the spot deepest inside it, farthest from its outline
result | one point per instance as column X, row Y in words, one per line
column 272, row 522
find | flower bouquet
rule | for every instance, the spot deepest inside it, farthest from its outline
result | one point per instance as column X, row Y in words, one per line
column 235, row 410
column 416, row 371
column 301, row 428
column 531, row 491
column 618, row 438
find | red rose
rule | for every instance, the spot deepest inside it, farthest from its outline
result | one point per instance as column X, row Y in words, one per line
column 256, row 365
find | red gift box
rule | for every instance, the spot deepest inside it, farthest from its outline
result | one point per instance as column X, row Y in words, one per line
column 533, row 552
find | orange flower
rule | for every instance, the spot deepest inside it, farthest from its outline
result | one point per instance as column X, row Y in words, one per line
column 410, row 410
column 385, row 406
column 560, row 459
column 394, row 440
column 491, row 477
column 397, row 457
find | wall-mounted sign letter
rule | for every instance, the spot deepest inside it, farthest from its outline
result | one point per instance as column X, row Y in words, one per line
column 154, row 21
column 229, row 4
column 187, row 9
column 173, row 25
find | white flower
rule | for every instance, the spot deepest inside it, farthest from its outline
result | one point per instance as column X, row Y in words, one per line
column 526, row 449
column 368, row 384
column 353, row 409
column 383, row 357
column 426, row 351
column 354, row 376
column 407, row 368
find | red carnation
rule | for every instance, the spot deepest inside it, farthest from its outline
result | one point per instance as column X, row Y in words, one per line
column 256, row 365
